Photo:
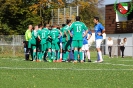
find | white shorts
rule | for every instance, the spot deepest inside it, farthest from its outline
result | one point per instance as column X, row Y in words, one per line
column 98, row 43
column 60, row 45
column 85, row 47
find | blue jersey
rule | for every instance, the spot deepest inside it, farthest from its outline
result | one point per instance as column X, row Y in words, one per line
column 98, row 29
column 60, row 39
column 85, row 39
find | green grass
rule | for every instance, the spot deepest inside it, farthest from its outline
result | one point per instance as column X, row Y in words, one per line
column 112, row 73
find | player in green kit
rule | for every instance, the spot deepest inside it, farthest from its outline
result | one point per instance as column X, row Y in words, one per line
column 48, row 43
column 77, row 42
column 43, row 35
column 66, row 40
column 32, row 42
column 54, row 34
column 39, row 52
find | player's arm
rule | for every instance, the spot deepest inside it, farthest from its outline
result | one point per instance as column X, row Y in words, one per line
column 86, row 30
column 60, row 34
column 66, row 35
column 70, row 29
column 103, row 30
column 70, row 33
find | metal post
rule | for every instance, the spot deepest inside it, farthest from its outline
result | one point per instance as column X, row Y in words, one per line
column 13, row 47
column 77, row 10
column 58, row 15
column 70, row 13
column 52, row 16
column 64, row 15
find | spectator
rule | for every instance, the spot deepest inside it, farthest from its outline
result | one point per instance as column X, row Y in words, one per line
column 110, row 43
column 122, row 46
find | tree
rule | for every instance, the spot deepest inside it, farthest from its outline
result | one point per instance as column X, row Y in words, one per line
column 88, row 9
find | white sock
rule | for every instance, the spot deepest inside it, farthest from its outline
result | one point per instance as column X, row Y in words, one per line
column 88, row 54
column 61, row 55
column 100, row 55
column 83, row 55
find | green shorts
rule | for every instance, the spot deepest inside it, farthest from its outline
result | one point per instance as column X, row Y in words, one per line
column 43, row 47
column 55, row 45
column 77, row 43
column 66, row 45
column 48, row 45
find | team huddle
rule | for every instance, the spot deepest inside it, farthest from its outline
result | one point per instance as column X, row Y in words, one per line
column 56, row 43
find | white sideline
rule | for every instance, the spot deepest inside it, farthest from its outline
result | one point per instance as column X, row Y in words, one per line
column 19, row 68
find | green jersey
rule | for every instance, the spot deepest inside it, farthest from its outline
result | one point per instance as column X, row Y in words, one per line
column 78, row 28
column 34, row 34
column 43, row 35
column 63, row 35
column 67, row 28
column 54, row 34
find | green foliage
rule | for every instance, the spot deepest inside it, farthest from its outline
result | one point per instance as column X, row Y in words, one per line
column 16, row 15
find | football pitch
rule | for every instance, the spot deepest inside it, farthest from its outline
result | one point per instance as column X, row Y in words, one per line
column 112, row 73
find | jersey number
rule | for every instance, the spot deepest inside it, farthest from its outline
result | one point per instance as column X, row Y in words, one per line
column 78, row 28
column 43, row 35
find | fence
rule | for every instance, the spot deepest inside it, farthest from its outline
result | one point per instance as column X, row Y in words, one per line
column 12, row 46
column 60, row 15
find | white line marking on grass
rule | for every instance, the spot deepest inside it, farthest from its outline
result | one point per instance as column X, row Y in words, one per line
column 117, row 64
column 19, row 68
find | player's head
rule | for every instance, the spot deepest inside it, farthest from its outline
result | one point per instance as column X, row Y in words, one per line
column 40, row 26
column 77, row 18
column 36, row 27
column 54, row 26
column 63, row 25
column 30, row 27
column 58, row 27
column 68, row 22
column 96, row 20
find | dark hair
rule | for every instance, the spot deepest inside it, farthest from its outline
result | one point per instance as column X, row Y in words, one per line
column 68, row 21
column 39, row 25
column 97, row 18
column 63, row 25
column 77, row 18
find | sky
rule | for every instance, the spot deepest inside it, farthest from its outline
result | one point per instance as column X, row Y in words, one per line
column 113, row 1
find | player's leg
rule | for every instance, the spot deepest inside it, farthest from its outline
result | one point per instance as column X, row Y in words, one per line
column 64, row 51
column 75, row 45
column 34, row 53
column 60, row 51
column 83, row 50
column 80, row 44
column 49, row 51
column 68, row 49
column 87, row 52
column 98, row 45
column 57, row 48
column 53, row 52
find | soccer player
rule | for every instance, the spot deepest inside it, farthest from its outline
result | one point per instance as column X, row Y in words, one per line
column 48, row 43
column 55, row 47
column 43, row 35
column 38, row 43
column 99, row 30
column 27, row 38
column 66, row 40
column 85, row 47
column 77, row 42
column 60, row 43
column 32, row 42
